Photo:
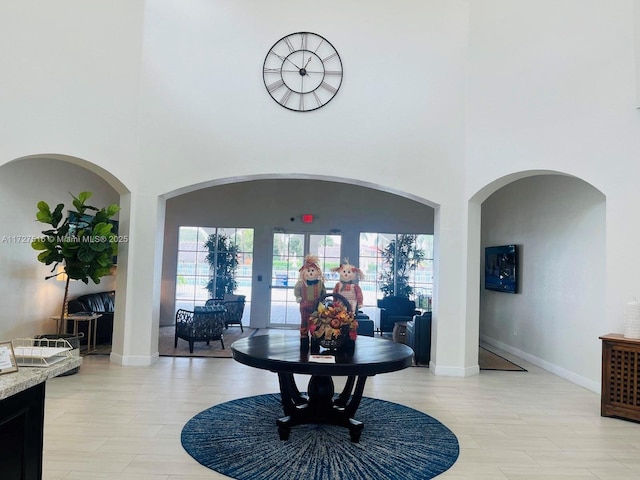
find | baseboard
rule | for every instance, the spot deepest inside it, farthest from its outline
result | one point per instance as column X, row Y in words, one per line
column 134, row 360
column 454, row 371
column 550, row 367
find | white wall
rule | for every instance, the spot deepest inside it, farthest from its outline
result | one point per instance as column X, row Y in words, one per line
column 553, row 90
column 28, row 300
column 71, row 80
column 397, row 120
column 555, row 319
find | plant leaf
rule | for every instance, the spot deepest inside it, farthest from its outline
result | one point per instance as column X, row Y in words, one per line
column 56, row 216
column 44, row 212
column 39, row 244
column 111, row 210
column 85, row 253
column 84, row 196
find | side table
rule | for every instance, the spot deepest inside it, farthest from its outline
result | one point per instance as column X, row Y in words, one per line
column 91, row 318
column 281, row 354
column 620, row 377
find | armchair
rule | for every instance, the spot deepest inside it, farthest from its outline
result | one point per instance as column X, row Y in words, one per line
column 395, row 309
column 234, row 306
column 202, row 325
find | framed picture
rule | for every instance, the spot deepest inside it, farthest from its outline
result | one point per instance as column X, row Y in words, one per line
column 77, row 222
column 501, row 268
column 7, row 358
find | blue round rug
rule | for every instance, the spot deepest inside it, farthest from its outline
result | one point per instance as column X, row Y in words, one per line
column 240, row 439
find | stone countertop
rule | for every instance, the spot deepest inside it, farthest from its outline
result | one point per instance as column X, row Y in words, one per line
column 27, row 377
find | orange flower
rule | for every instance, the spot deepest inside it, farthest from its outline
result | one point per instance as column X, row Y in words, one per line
column 328, row 321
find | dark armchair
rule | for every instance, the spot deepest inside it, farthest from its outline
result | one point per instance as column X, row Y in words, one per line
column 234, row 306
column 395, row 309
column 202, row 325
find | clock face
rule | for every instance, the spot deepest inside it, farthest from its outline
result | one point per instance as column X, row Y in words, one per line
column 302, row 71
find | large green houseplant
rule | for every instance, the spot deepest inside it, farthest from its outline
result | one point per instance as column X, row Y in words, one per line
column 223, row 264
column 80, row 241
column 400, row 257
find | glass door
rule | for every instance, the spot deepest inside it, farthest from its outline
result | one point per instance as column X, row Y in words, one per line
column 289, row 250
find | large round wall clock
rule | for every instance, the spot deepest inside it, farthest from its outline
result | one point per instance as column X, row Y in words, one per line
column 302, row 71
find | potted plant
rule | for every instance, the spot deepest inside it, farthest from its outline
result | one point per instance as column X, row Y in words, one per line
column 400, row 257
column 223, row 263
column 80, row 242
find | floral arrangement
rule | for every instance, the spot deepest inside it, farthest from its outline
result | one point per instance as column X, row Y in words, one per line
column 329, row 322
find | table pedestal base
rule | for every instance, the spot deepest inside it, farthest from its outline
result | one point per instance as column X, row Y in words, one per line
column 319, row 406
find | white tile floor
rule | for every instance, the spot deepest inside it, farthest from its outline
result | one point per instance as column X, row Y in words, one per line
column 124, row 423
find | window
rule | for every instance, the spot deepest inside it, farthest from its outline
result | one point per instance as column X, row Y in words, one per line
column 193, row 272
column 376, row 268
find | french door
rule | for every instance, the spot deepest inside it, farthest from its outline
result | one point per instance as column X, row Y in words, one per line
column 289, row 250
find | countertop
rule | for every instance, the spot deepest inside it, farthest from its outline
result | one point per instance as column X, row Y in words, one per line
column 27, row 377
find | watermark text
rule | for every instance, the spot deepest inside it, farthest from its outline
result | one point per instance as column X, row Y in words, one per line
column 64, row 238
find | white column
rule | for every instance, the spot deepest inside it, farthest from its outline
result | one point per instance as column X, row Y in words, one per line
column 454, row 347
column 137, row 314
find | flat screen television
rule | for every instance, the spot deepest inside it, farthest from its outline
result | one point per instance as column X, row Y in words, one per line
column 501, row 268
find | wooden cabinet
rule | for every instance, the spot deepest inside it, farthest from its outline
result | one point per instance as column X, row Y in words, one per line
column 21, row 434
column 620, row 377
column 22, row 419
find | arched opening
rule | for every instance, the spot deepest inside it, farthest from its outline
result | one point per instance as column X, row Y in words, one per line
column 273, row 203
column 558, row 223
column 23, row 183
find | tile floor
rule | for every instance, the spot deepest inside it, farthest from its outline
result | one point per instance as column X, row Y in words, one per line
column 124, row 423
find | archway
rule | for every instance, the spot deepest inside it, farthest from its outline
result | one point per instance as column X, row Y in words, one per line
column 277, row 202
column 25, row 181
column 558, row 223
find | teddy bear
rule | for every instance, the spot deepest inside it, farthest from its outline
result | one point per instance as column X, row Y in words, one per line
column 348, row 285
column 308, row 289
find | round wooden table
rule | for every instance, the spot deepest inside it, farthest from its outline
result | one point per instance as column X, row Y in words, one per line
column 282, row 354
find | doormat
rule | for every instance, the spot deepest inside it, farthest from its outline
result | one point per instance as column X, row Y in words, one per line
column 492, row 361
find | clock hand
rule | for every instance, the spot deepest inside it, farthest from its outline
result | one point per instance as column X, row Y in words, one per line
column 305, row 65
column 284, row 59
column 303, row 71
column 289, row 60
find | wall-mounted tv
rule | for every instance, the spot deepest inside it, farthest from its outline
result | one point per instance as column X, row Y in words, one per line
column 501, row 268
